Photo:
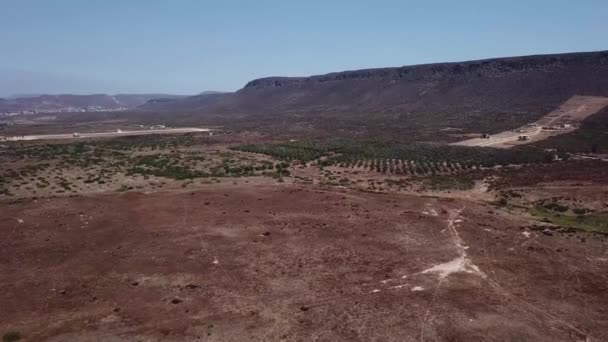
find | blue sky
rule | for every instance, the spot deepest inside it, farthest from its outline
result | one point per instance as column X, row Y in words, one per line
column 185, row 47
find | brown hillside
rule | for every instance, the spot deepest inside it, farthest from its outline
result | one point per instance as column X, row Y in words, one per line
column 505, row 92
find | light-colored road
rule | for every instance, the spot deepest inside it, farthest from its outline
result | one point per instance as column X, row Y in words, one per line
column 573, row 111
column 106, row 134
column 512, row 136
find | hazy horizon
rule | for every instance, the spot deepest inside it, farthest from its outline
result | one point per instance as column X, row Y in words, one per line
column 142, row 47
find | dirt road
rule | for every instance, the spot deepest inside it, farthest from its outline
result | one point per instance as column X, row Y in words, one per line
column 573, row 111
column 77, row 135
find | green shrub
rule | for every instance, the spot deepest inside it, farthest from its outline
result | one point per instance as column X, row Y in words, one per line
column 11, row 336
column 556, row 207
column 429, row 158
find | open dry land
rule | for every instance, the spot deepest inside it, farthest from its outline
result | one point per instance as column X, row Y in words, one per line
column 291, row 263
column 564, row 119
column 238, row 237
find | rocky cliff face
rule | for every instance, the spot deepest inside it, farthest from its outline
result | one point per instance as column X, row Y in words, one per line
column 483, row 68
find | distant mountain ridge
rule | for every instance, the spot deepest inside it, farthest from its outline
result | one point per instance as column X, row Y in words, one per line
column 77, row 102
column 455, row 92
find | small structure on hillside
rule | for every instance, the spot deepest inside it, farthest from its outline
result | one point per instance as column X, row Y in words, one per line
column 485, row 136
column 523, row 138
column 76, row 135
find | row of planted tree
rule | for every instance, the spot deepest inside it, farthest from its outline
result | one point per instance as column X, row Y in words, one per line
column 406, row 167
column 395, row 158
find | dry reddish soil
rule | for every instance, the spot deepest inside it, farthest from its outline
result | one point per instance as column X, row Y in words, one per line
column 282, row 262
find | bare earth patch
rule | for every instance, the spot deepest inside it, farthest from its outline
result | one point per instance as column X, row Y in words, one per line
column 571, row 113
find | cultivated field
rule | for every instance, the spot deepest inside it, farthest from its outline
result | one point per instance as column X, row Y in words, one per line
column 571, row 113
column 151, row 163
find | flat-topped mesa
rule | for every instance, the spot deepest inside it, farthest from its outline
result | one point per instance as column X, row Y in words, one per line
column 480, row 68
column 506, row 92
